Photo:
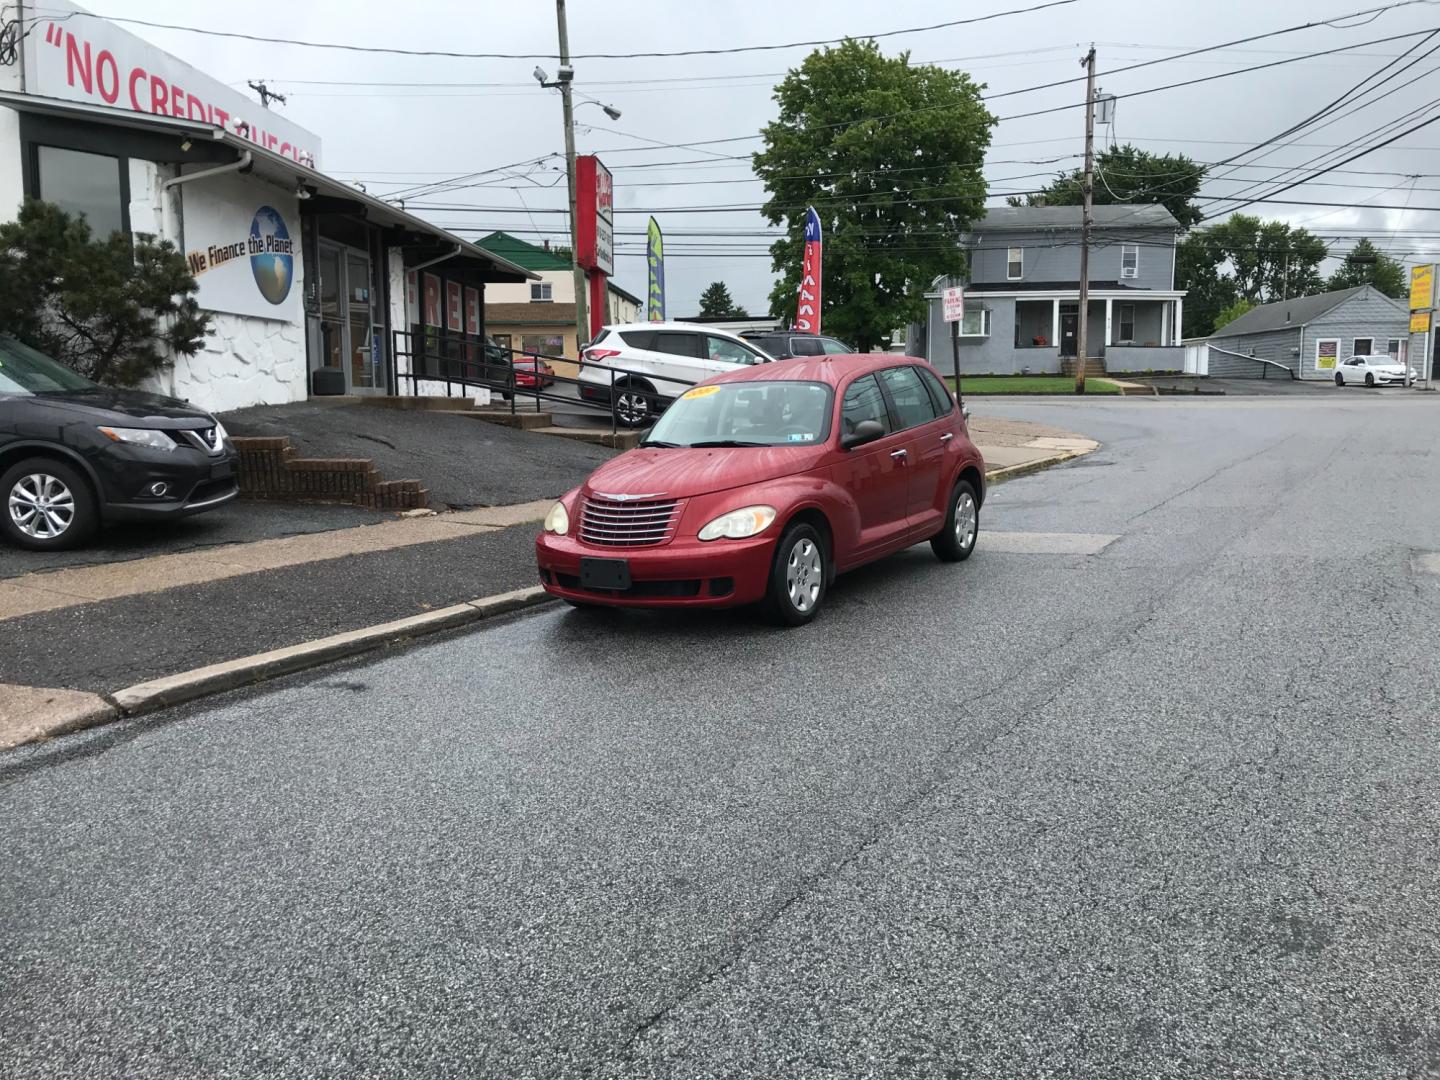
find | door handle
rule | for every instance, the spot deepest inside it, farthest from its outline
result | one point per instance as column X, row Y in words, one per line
column 900, row 453
column 947, row 436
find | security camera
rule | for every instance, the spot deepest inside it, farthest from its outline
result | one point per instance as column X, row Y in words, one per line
column 540, row 75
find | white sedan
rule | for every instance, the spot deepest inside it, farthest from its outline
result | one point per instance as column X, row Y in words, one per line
column 1373, row 371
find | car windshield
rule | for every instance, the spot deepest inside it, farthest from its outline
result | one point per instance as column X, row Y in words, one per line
column 24, row 370
column 746, row 414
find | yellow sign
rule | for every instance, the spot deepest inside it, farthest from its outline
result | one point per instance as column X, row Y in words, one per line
column 1420, row 322
column 700, row 391
column 1422, row 287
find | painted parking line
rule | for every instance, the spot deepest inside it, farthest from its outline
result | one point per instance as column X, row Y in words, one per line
column 1043, row 543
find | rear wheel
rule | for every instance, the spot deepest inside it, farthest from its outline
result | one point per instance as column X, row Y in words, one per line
column 634, row 405
column 1339, row 379
column 48, row 505
column 956, row 539
column 798, row 576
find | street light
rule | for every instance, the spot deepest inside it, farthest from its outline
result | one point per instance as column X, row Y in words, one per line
column 610, row 110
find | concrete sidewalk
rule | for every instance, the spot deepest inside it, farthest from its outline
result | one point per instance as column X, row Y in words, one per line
column 79, row 639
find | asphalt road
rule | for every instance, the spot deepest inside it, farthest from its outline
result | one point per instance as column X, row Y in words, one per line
column 1172, row 810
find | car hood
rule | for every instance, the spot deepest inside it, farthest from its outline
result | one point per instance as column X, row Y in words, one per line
column 107, row 401
column 682, row 473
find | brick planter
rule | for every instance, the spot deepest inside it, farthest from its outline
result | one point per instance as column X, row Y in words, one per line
column 268, row 468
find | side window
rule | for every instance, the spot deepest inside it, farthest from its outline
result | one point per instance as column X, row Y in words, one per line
column 639, row 339
column 835, row 348
column 1363, row 346
column 731, row 352
column 676, row 344
column 863, row 401
column 805, row 346
column 939, row 396
column 909, row 396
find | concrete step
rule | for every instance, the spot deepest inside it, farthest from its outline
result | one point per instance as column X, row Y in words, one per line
column 621, row 440
column 526, row 421
column 423, row 404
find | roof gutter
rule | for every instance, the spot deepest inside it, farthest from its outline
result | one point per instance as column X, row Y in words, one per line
column 243, row 164
column 443, row 258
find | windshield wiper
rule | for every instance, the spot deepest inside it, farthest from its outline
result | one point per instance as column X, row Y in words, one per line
column 724, row 443
column 657, row 442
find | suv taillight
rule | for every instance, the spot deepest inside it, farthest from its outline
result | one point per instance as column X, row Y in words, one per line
column 595, row 356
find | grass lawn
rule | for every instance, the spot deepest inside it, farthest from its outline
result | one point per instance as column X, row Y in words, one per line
column 1030, row 384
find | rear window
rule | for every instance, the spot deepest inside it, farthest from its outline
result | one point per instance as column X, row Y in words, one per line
column 805, row 346
column 639, row 339
column 834, row 347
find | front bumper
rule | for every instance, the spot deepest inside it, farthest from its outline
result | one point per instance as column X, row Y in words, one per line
column 196, row 482
column 682, row 573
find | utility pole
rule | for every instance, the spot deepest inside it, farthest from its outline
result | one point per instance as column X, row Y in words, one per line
column 564, row 77
column 1087, row 198
column 266, row 94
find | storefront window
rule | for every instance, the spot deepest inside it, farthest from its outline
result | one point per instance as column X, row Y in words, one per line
column 543, row 345
column 84, row 185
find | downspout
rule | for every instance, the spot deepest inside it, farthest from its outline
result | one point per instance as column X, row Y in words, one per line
column 243, row 164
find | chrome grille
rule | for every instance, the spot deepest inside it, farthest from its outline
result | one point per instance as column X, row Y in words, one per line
column 616, row 523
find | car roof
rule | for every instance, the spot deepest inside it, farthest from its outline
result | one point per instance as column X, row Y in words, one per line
column 689, row 328
column 834, row 368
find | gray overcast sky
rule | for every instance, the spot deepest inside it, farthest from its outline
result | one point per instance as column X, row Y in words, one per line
column 390, row 137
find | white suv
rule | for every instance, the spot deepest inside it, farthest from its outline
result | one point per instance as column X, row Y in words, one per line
column 649, row 365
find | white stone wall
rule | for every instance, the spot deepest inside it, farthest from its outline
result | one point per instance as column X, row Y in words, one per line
column 245, row 362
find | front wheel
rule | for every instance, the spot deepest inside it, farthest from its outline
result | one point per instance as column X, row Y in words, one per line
column 633, row 408
column 956, row 539
column 48, row 506
column 798, row 577
column 1369, row 380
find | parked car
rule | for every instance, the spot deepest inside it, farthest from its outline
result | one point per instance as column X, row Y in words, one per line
column 760, row 485
column 74, row 454
column 532, row 372
column 649, row 365
column 1382, row 370
column 783, row 344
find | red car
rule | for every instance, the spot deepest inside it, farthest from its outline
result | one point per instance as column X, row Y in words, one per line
column 760, row 485
column 530, row 370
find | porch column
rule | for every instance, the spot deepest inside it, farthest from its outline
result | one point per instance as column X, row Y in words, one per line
column 1109, row 314
column 1055, row 325
column 1179, row 321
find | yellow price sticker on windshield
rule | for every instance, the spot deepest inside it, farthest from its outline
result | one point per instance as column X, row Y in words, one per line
column 700, row 391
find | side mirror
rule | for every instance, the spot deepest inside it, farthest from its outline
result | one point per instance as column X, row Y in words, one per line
column 867, row 431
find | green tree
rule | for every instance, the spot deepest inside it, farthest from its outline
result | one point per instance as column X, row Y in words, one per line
column 1233, row 312
column 1208, row 291
column 1366, row 265
column 716, row 303
column 889, row 154
column 112, row 311
column 1245, row 258
column 1127, row 175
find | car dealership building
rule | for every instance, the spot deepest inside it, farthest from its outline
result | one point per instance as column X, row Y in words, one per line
column 314, row 287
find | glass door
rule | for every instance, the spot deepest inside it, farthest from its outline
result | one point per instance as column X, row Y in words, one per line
column 347, row 319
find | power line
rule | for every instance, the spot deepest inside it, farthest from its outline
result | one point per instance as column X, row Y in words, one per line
column 392, row 51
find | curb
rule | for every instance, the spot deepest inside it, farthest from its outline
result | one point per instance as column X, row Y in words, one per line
column 189, row 685
column 1012, row 472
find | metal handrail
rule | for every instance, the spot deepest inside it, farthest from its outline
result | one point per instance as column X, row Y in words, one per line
column 468, row 372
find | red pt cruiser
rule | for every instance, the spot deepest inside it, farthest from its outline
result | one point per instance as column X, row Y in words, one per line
column 760, row 485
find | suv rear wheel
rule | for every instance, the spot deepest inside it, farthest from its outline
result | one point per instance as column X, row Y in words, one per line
column 48, row 505
column 634, row 405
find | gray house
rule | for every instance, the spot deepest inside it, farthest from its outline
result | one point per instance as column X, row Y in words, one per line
column 1310, row 335
column 1022, row 301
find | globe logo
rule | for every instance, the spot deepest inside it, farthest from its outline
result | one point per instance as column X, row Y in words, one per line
column 272, row 255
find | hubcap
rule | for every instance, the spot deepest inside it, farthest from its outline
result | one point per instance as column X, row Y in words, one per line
column 41, row 506
column 804, row 574
column 965, row 520
column 632, row 408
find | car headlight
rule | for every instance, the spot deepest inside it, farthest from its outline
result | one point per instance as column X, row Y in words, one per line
column 220, row 433
column 155, row 440
column 738, row 524
column 557, row 521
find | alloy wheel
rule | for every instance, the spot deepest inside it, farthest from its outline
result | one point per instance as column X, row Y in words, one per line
column 632, row 408
column 804, row 574
column 966, row 519
column 41, row 506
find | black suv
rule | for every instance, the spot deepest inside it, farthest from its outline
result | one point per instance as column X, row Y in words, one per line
column 74, row 453
column 783, row 344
